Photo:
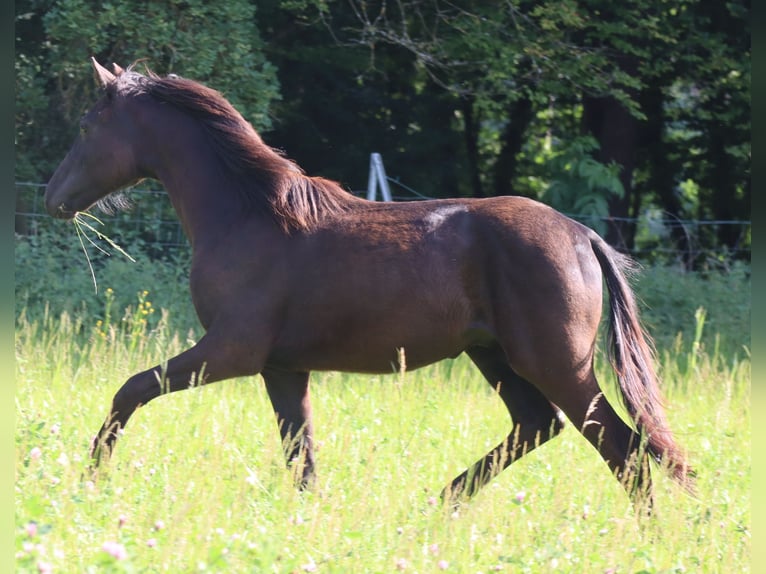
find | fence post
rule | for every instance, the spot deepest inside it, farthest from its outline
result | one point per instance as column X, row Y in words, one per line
column 377, row 177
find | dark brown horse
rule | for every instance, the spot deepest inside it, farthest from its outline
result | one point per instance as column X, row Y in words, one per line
column 292, row 274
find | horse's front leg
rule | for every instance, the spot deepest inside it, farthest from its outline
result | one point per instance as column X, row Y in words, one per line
column 211, row 359
column 289, row 394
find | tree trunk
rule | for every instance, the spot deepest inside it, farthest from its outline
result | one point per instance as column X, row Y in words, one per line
column 520, row 115
column 725, row 203
column 662, row 172
column 616, row 131
column 471, row 135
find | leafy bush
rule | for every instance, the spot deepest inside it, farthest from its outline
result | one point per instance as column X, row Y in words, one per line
column 52, row 273
column 671, row 296
column 581, row 185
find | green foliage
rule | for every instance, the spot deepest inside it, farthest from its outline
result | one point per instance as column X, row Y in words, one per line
column 671, row 297
column 680, row 69
column 580, row 185
column 53, row 272
column 30, row 102
column 215, row 43
column 440, row 90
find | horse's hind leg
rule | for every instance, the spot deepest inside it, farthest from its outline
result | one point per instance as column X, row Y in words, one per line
column 535, row 421
column 289, row 394
column 619, row 445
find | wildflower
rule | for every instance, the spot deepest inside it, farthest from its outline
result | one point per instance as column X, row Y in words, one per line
column 54, row 430
column 443, row 564
column 159, row 525
column 35, row 453
column 520, row 496
column 434, row 549
column 432, row 501
column 310, row 566
column 63, row 459
column 44, row 567
column 115, row 550
column 31, row 529
column 401, row 564
column 121, row 520
column 151, row 543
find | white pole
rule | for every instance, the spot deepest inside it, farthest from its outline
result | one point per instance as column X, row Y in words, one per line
column 376, row 163
column 382, row 179
column 372, row 180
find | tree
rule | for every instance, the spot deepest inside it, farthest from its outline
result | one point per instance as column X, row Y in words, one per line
column 461, row 98
column 215, row 43
column 529, row 78
column 342, row 101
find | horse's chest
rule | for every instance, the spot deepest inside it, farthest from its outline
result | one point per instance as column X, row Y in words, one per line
column 221, row 289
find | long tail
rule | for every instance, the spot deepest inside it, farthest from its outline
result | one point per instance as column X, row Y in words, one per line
column 632, row 357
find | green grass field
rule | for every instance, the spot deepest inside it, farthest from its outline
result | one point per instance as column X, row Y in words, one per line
column 197, row 482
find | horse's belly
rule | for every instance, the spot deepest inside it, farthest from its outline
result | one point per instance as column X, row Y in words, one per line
column 371, row 354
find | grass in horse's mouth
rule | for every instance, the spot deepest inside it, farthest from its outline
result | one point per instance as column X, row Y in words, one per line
column 82, row 227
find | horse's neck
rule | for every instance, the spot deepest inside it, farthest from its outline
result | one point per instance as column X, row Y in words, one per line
column 205, row 203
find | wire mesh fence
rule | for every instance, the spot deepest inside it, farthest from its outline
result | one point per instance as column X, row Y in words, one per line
column 151, row 219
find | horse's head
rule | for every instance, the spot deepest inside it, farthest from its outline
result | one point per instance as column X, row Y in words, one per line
column 102, row 159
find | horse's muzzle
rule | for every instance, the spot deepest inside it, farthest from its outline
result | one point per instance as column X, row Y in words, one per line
column 57, row 208
column 61, row 212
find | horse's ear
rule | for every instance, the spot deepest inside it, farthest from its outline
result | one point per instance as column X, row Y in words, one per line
column 117, row 69
column 104, row 76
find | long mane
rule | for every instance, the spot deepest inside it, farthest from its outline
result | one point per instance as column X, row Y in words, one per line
column 265, row 179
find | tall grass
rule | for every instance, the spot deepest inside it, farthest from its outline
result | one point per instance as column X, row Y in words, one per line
column 197, row 482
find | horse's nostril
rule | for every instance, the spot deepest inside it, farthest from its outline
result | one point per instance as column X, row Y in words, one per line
column 63, row 212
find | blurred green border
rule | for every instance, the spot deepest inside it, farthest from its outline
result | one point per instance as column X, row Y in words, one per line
column 758, row 327
column 7, row 416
